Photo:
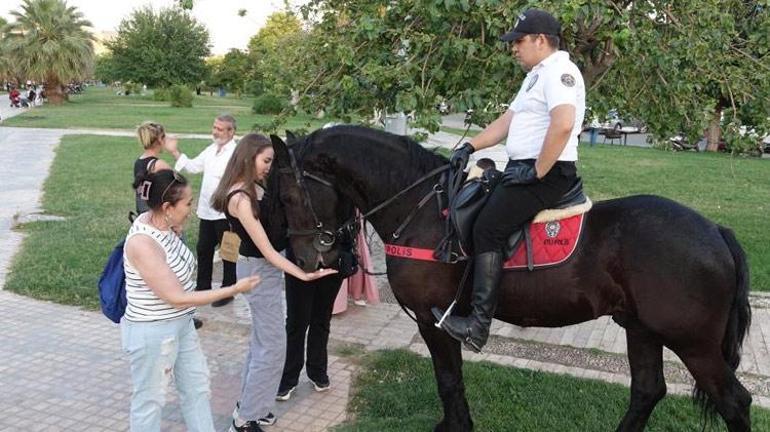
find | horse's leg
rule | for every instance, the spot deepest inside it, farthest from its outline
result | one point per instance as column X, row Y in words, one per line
column 447, row 365
column 648, row 386
column 718, row 381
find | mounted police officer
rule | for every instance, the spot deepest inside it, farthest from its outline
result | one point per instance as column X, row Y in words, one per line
column 542, row 125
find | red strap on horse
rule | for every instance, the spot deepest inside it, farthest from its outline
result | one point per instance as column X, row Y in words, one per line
column 409, row 252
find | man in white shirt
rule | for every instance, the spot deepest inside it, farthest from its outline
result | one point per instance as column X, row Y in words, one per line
column 541, row 128
column 211, row 162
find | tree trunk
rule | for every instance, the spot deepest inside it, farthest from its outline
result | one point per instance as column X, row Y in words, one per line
column 714, row 131
column 54, row 91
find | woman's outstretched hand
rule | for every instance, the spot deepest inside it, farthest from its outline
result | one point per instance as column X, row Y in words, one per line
column 318, row 274
column 247, row 283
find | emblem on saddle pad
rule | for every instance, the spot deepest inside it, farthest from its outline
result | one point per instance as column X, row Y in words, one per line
column 552, row 229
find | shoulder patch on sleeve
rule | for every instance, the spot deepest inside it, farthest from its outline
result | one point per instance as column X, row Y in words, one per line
column 568, row 80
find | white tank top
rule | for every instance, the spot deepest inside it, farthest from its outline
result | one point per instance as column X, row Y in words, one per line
column 143, row 304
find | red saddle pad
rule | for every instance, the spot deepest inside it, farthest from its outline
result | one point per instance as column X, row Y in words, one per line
column 552, row 243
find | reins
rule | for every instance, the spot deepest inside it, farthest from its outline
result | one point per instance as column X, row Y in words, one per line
column 325, row 239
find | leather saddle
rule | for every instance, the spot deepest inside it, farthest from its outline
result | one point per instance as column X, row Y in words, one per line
column 471, row 198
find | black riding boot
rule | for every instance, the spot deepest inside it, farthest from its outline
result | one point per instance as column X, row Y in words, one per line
column 473, row 331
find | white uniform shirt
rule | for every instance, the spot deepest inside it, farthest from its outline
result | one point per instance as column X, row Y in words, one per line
column 552, row 82
column 213, row 165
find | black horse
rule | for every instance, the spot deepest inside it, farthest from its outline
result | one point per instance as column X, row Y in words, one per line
column 666, row 274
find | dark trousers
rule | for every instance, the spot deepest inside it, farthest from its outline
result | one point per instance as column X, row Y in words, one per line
column 510, row 207
column 308, row 309
column 209, row 236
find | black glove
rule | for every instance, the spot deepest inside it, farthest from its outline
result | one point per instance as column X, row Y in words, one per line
column 460, row 156
column 519, row 174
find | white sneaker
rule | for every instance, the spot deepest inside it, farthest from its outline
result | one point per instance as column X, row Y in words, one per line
column 267, row 420
column 321, row 387
column 284, row 395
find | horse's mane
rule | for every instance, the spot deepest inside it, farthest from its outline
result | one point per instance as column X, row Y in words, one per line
column 412, row 154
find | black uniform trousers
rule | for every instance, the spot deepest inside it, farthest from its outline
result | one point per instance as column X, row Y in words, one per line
column 209, row 236
column 308, row 309
column 510, row 207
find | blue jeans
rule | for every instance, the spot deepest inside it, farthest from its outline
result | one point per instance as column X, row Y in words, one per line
column 160, row 351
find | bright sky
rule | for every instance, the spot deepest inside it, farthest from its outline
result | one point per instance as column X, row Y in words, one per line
column 226, row 29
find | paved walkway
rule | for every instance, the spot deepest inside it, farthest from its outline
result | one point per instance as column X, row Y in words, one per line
column 61, row 367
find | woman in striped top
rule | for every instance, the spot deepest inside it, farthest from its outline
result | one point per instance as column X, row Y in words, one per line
column 157, row 329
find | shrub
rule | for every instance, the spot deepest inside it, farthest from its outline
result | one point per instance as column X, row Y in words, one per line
column 180, row 96
column 132, row 88
column 160, row 94
column 254, row 87
column 269, row 103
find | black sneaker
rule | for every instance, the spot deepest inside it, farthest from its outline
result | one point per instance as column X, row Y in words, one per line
column 222, row 302
column 284, row 395
column 267, row 420
column 250, row 426
column 321, row 386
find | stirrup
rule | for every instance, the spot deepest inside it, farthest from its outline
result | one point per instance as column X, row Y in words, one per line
column 446, row 314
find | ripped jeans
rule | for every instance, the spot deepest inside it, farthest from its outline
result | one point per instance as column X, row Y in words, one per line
column 161, row 352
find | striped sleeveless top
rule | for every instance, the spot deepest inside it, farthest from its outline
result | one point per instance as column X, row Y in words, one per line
column 143, row 305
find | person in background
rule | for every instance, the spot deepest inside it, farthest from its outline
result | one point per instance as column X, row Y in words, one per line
column 151, row 136
column 360, row 286
column 157, row 330
column 308, row 311
column 211, row 162
column 239, row 196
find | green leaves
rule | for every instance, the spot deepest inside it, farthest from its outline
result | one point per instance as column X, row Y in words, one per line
column 670, row 64
column 160, row 48
column 272, row 52
column 48, row 41
column 232, row 72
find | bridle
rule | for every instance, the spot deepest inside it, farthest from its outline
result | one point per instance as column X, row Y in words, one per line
column 326, row 238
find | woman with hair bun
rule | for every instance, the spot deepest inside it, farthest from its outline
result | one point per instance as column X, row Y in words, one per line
column 151, row 136
column 157, row 328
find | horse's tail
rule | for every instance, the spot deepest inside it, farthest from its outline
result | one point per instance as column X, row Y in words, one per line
column 739, row 320
column 740, row 312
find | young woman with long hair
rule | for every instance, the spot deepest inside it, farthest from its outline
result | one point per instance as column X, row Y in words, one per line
column 238, row 197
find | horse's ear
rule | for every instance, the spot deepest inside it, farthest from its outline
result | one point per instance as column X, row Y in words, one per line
column 280, row 149
column 290, row 137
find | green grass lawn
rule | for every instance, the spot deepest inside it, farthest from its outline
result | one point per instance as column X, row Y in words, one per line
column 395, row 391
column 730, row 191
column 89, row 184
column 101, row 108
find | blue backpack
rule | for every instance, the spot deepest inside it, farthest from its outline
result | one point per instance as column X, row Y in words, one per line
column 112, row 285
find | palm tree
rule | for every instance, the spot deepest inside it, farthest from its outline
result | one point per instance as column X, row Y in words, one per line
column 5, row 65
column 48, row 42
